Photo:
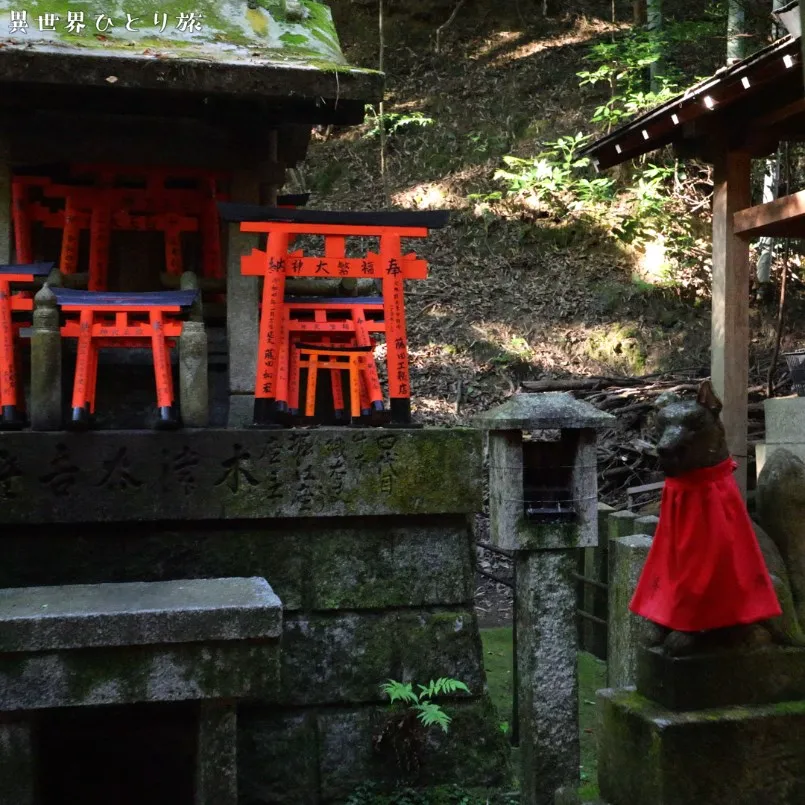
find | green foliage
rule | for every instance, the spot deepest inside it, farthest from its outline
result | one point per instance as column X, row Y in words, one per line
column 552, row 176
column 392, row 122
column 622, row 64
column 428, row 712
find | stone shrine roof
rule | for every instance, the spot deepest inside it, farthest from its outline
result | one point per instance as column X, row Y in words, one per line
column 546, row 411
column 259, row 49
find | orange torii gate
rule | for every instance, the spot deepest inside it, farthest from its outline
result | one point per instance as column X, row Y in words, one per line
column 388, row 264
column 9, row 304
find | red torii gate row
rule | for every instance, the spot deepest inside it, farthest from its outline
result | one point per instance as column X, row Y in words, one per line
column 105, row 206
column 276, row 263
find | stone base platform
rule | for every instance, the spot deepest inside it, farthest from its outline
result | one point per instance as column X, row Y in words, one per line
column 740, row 755
column 765, row 676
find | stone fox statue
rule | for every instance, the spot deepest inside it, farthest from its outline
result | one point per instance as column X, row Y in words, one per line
column 712, row 575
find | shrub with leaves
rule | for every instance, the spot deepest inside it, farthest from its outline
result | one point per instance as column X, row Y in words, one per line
column 428, row 712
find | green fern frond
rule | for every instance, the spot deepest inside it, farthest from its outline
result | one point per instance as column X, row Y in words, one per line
column 397, row 691
column 429, row 714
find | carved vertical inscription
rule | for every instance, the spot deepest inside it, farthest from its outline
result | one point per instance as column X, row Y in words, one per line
column 63, row 473
column 386, row 463
column 179, row 469
column 116, row 473
column 237, row 472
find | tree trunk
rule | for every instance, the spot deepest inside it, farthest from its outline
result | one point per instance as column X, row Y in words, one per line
column 736, row 32
column 654, row 26
column 639, row 12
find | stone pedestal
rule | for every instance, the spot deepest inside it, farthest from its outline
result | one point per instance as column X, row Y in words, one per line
column 720, row 729
column 650, row 755
column 17, row 775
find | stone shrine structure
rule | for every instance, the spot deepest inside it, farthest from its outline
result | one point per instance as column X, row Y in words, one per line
column 318, row 563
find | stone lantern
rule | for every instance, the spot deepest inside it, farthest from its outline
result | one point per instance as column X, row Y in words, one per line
column 543, row 491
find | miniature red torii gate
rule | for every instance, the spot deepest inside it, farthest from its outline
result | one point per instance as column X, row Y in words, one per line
column 276, row 263
column 9, row 304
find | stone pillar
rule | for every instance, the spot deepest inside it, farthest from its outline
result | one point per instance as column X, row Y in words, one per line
column 627, row 555
column 785, row 427
column 646, row 525
column 548, row 699
column 216, row 759
column 17, row 775
column 194, row 393
column 545, row 531
column 242, row 323
column 46, row 363
column 620, row 524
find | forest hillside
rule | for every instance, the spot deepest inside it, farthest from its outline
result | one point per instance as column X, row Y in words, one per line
column 547, row 270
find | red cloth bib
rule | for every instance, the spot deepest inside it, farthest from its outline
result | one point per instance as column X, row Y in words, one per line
column 704, row 569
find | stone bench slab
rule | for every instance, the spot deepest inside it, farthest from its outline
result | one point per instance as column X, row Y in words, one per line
column 37, row 619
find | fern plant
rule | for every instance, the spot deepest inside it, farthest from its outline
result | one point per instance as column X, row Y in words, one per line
column 428, row 712
column 404, row 733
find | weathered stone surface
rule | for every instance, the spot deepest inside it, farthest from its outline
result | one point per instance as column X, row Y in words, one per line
column 567, row 796
column 194, row 389
column 780, row 502
column 627, row 556
column 596, row 567
column 764, row 676
column 179, row 672
column 343, row 658
column 649, row 755
column 129, row 553
column 550, row 410
column 278, row 757
column 547, row 674
column 646, row 525
column 346, row 753
column 142, row 613
column 370, row 568
column 216, row 758
column 222, row 474
column 17, row 763
column 621, row 524
column 429, row 645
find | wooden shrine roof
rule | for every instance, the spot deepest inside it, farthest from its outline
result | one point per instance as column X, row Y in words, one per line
column 753, row 104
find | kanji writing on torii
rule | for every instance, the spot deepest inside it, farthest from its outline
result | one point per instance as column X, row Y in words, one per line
column 389, row 265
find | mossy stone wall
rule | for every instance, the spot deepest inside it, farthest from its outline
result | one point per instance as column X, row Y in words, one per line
column 367, row 597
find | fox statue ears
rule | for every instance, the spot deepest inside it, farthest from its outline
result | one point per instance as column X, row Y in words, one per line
column 708, row 398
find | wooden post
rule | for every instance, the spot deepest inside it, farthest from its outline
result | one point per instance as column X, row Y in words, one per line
column 730, row 312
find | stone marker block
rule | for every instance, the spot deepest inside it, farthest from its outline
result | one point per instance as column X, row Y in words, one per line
column 646, row 525
column 649, row 755
column 627, row 555
column 621, row 524
column 17, row 768
column 228, row 474
column 767, row 675
column 86, row 616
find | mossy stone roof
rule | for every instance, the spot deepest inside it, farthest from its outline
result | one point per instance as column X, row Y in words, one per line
column 268, row 48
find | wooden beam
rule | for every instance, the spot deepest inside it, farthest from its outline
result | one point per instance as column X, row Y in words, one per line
column 781, row 217
column 780, row 114
column 730, row 309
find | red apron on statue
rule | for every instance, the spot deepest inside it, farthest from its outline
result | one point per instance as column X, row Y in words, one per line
column 704, row 569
